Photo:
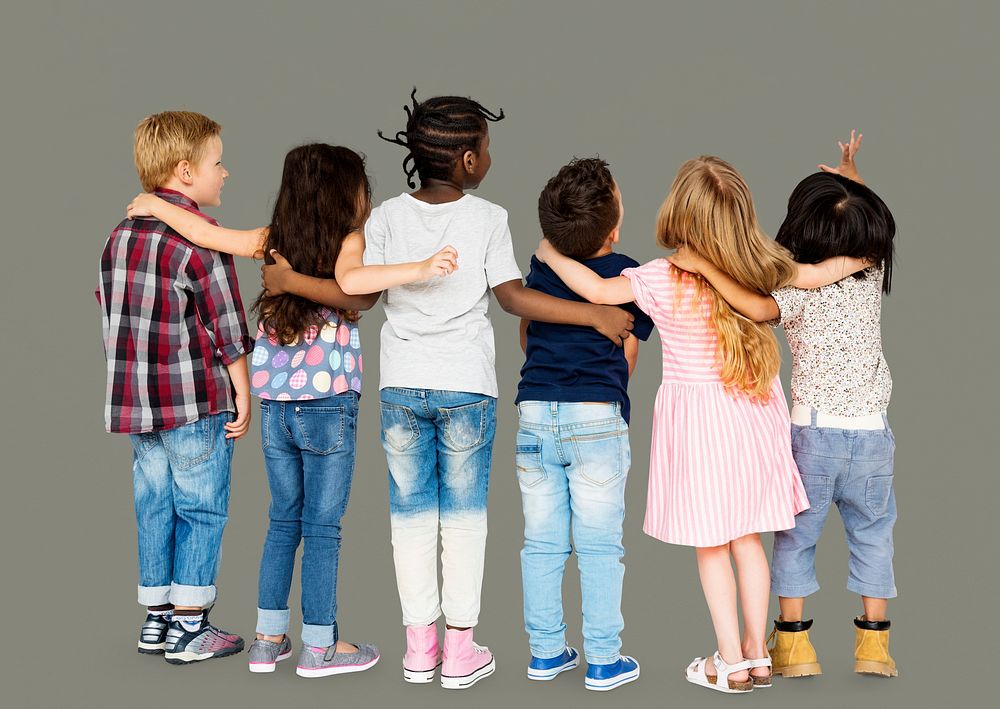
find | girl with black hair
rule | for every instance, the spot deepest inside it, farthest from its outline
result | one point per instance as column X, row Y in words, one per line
column 306, row 370
column 438, row 382
column 841, row 439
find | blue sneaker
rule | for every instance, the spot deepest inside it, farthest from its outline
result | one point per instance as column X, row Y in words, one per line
column 602, row 678
column 547, row 669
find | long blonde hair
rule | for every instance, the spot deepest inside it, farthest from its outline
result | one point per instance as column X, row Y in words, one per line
column 710, row 210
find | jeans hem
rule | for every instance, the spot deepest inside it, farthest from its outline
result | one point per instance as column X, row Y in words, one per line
column 319, row 635
column 602, row 660
column 153, row 595
column 547, row 654
column 461, row 623
column 419, row 623
column 871, row 590
column 788, row 591
column 272, row 622
column 183, row 595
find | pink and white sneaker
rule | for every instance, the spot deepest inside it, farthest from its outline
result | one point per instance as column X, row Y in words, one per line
column 465, row 663
column 423, row 655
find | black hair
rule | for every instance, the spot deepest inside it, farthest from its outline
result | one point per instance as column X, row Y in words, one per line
column 830, row 215
column 438, row 131
column 325, row 195
column 578, row 208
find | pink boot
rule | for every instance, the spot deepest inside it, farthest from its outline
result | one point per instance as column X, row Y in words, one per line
column 422, row 656
column 465, row 663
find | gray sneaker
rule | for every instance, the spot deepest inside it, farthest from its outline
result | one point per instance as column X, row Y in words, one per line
column 325, row 661
column 264, row 654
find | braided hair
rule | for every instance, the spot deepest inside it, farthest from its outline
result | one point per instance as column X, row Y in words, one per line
column 438, row 131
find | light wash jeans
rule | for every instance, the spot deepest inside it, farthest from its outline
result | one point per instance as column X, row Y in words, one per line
column 439, row 446
column 181, row 483
column 852, row 469
column 572, row 465
column 309, row 455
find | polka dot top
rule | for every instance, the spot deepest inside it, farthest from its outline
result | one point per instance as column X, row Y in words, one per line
column 323, row 362
column 835, row 335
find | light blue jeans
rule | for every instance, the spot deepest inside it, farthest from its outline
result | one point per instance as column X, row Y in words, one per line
column 852, row 469
column 181, row 483
column 572, row 464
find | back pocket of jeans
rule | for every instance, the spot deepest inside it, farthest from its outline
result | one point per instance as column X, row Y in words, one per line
column 600, row 456
column 190, row 445
column 322, row 428
column 465, row 426
column 399, row 426
column 877, row 493
column 819, row 490
column 528, row 459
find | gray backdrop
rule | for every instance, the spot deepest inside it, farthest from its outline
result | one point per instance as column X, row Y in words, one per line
column 768, row 86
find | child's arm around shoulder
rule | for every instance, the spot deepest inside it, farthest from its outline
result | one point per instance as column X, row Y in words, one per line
column 279, row 277
column 583, row 281
column 817, row 275
column 356, row 279
column 751, row 304
column 248, row 243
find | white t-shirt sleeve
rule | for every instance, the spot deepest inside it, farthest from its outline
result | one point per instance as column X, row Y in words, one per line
column 501, row 266
column 375, row 234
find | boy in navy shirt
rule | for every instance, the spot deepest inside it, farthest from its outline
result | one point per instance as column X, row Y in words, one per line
column 572, row 444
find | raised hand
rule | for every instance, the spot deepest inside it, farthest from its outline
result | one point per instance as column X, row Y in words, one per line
column 847, row 167
column 442, row 264
column 142, row 205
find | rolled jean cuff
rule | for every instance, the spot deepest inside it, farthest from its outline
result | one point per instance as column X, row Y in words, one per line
column 605, row 660
column 196, row 596
column 154, row 595
column 871, row 590
column 789, row 591
column 319, row 635
column 272, row 622
column 454, row 623
column 420, row 622
column 545, row 653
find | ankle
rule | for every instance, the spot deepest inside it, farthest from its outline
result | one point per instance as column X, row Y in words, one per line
column 271, row 638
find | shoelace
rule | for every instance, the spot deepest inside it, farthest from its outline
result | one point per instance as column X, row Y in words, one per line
column 480, row 648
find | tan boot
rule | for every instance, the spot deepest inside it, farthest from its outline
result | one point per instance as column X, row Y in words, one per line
column 871, row 648
column 792, row 654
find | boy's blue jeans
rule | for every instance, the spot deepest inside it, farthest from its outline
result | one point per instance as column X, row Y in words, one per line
column 439, row 446
column 309, row 449
column 572, row 464
column 181, row 484
column 852, row 469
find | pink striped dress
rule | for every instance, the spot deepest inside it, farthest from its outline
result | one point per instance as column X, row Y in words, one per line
column 721, row 465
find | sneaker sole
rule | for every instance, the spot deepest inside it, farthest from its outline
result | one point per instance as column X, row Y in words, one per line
column 420, row 676
column 151, row 648
column 604, row 685
column 188, row 658
column 546, row 675
column 337, row 670
column 808, row 669
column 264, row 667
column 466, row 681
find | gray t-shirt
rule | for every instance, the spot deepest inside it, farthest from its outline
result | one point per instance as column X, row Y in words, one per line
column 835, row 336
column 437, row 334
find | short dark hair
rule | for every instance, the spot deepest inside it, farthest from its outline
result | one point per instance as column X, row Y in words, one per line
column 438, row 132
column 830, row 215
column 578, row 208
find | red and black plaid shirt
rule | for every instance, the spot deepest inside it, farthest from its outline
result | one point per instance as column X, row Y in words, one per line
column 172, row 321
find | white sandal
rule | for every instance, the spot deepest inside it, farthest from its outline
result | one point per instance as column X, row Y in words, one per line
column 695, row 674
column 759, row 682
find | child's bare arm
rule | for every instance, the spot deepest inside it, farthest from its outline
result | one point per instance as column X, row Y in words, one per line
column 583, row 281
column 527, row 303
column 240, row 377
column 280, row 277
column 355, row 278
column 524, row 334
column 632, row 353
column 817, row 275
column 755, row 306
column 248, row 243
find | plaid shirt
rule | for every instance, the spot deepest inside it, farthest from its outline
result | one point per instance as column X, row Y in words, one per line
column 172, row 321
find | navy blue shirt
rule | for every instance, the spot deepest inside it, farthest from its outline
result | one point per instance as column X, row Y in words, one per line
column 572, row 362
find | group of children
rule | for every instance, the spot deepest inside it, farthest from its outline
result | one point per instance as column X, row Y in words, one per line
column 727, row 461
